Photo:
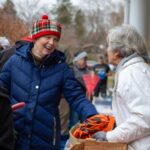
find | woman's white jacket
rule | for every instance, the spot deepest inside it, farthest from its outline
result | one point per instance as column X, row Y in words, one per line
column 131, row 104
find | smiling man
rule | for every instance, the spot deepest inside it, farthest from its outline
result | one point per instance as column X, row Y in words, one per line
column 38, row 75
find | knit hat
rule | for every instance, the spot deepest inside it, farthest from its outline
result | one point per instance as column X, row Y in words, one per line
column 44, row 26
column 79, row 55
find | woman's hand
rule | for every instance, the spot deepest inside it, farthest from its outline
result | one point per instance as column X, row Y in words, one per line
column 100, row 136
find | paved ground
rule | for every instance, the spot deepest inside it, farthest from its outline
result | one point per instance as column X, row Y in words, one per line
column 103, row 105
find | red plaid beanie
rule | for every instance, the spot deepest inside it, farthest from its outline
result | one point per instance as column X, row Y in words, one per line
column 44, row 26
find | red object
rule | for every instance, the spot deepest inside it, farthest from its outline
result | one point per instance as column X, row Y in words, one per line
column 18, row 106
column 45, row 26
column 45, row 17
column 94, row 124
column 90, row 81
column 27, row 38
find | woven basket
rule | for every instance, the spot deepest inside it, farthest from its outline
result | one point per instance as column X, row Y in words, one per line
column 92, row 144
column 75, row 140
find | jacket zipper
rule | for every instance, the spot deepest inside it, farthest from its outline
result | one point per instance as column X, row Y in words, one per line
column 54, row 129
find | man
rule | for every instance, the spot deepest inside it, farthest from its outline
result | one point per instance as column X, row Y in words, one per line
column 38, row 75
column 79, row 68
column 103, row 71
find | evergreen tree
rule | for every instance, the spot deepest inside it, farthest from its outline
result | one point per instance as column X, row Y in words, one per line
column 79, row 24
column 9, row 8
column 64, row 12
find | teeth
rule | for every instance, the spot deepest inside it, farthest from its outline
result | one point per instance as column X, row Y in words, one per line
column 48, row 47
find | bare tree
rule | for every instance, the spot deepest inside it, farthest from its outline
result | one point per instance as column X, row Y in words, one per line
column 29, row 10
column 100, row 17
column 11, row 26
column 97, row 16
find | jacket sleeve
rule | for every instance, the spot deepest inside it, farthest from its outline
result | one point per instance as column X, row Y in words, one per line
column 5, row 74
column 74, row 95
column 6, row 122
column 135, row 93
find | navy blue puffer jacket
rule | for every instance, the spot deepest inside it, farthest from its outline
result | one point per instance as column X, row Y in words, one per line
column 40, row 87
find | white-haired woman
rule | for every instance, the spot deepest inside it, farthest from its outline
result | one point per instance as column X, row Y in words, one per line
column 131, row 98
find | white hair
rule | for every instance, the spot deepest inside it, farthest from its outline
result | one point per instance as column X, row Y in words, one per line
column 126, row 40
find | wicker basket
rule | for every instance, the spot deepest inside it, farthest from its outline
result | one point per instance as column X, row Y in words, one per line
column 92, row 144
column 73, row 140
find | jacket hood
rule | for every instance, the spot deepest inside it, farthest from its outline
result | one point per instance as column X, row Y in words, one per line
column 54, row 58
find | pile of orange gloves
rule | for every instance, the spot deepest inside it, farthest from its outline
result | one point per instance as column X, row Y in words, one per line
column 94, row 124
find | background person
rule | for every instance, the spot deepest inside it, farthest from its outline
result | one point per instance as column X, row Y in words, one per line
column 79, row 69
column 4, row 43
column 131, row 98
column 38, row 75
column 6, row 53
column 103, row 71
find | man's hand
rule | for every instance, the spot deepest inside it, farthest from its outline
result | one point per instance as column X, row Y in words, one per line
column 100, row 136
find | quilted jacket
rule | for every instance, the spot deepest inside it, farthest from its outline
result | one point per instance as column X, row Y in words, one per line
column 40, row 87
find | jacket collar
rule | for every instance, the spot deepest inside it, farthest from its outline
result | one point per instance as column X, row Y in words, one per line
column 127, row 61
column 54, row 58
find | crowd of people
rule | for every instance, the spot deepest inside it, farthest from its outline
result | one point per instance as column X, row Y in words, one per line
column 35, row 72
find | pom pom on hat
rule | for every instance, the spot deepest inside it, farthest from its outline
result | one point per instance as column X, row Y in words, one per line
column 45, row 17
column 44, row 26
